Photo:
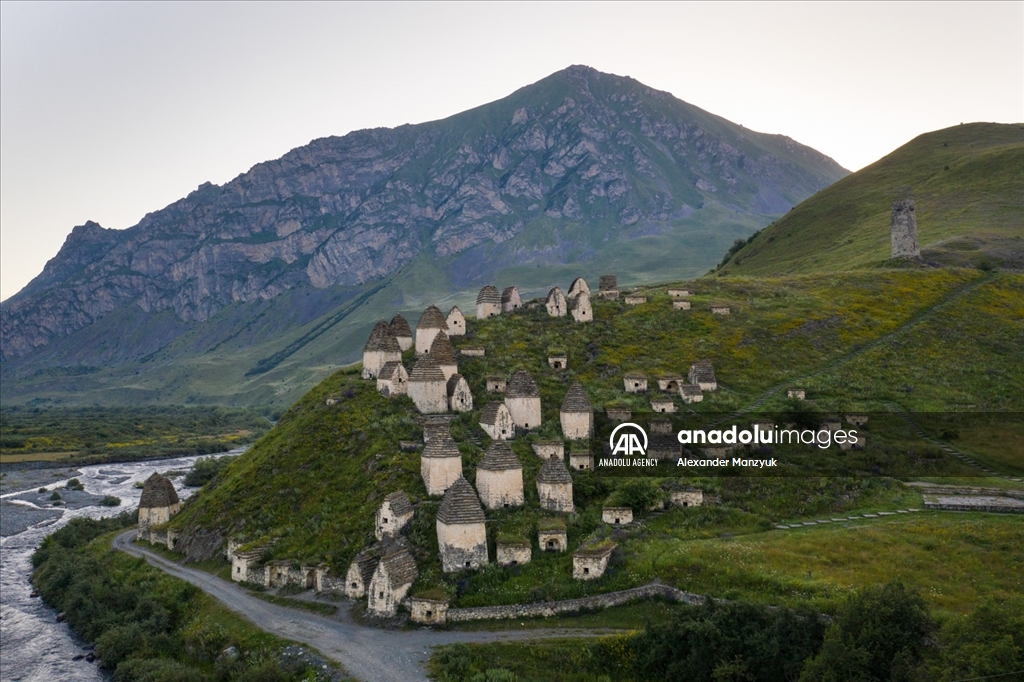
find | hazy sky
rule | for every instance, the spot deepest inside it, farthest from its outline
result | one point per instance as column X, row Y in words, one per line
column 109, row 111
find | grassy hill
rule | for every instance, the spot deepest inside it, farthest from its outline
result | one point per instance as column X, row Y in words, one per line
column 936, row 341
column 968, row 186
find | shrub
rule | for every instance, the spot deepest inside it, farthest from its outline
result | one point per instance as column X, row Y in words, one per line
column 110, row 501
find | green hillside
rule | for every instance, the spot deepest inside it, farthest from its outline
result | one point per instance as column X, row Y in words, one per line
column 968, row 186
column 938, row 341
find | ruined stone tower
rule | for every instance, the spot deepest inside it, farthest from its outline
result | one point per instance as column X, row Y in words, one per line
column 904, row 230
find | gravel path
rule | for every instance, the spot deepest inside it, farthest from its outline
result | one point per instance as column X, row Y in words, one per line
column 368, row 654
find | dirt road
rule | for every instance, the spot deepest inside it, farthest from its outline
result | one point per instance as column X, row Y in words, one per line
column 368, row 654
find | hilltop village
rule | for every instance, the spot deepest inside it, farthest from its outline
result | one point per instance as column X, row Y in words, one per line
column 384, row 572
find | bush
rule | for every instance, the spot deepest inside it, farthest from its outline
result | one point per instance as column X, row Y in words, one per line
column 110, row 501
column 879, row 635
column 204, row 470
column 74, row 484
column 55, row 496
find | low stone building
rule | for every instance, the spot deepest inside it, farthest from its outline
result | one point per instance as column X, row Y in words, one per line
column 680, row 305
column 690, row 393
column 444, row 353
column 576, row 414
column 579, row 286
column 554, row 486
column 522, row 398
column 858, row 444
column 460, row 398
column 798, row 393
column 619, row 413
column 428, row 386
column 434, row 425
column 499, row 477
column 402, row 332
column 634, row 382
column 857, row 419
column 393, row 514
column 380, row 349
column 581, row 461
column 591, row 561
column 581, row 308
column 428, row 610
column 556, row 305
column 440, row 463
column 456, row 322
column 663, row 405
column 245, row 566
column 488, row 303
column 719, row 309
column 279, row 573
column 635, row 299
column 461, row 535
column 431, row 324
column 496, row 421
column 396, row 571
column 546, row 449
column 512, row 552
column 495, row 384
column 558, row 360
column 617, row 516
column 360, row 573
column 551, row 535
column 661, row 427
column 158, row 503
column 670, row 383
column 472, row 352
column 687, row 497
column 510, row 300
column 702, row 375
column 393, row 380
column 678, row 293
column 609, row 287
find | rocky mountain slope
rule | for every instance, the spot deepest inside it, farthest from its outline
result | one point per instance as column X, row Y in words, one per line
column 968, row 186
column 581, row 166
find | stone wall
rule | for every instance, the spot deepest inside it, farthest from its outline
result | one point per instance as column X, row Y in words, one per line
column 430, row 397
column 462, row 546
column 576, row 425
column 681, row 305
column 439, row 473
column 374, row 361
column 500, row 489
column 553, row 608
column 428, row 611
column 548, row 449
column 904, row 230
column 552, row 540
column 581, row 461
column 525, row 411
column 424, row 338
column 511, row 554
column 556, row 497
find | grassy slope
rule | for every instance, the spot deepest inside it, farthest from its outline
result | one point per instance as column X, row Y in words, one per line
column 311, row 486
column 966, row 183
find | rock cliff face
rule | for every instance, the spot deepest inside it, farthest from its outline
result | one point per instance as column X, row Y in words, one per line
column 579, row 148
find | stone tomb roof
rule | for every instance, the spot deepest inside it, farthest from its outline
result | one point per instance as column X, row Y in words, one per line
column 382, row 338
column 398, row 562
column 460, row 505
column 158, row 492
column 576, row 400
column 441, row 349
column 510, row 294
column 499, row 457
column 488, row 295
column 453, row 383
column 609, row 283
column 400, row 326
column 389, row 371
column 489, row 415
column 399, row 502
column 441, row 444
column 432, row 318
column 522, row 385
column 426, row 369
column 689, row 389
column 366, row 563
column 553, row 471
column 702, row 371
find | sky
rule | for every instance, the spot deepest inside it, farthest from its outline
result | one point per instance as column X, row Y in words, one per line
column 109, row 111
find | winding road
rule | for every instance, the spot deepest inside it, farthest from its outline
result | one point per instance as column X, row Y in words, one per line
column 368, row 654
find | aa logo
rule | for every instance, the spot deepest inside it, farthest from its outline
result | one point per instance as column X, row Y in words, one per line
column 628, row 439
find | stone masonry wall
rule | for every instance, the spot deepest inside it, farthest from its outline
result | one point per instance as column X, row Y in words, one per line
column 598, row 601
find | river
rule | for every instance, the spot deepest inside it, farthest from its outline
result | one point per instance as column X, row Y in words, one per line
column 34, row 647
